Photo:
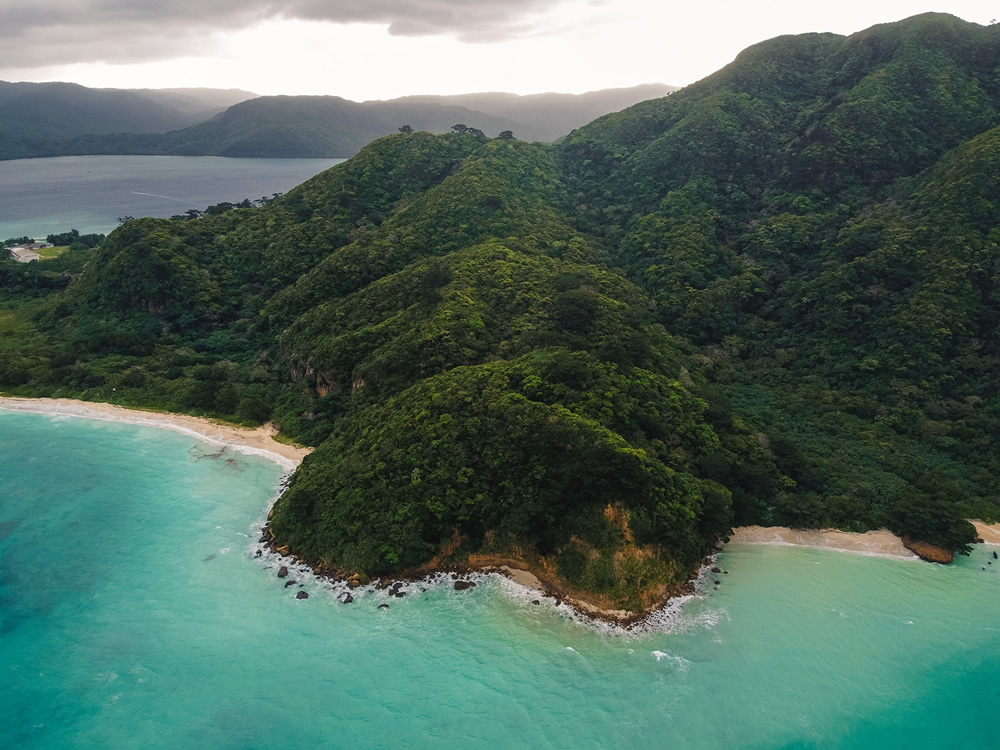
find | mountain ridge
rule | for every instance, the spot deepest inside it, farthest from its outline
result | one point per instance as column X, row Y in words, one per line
column 302, row 126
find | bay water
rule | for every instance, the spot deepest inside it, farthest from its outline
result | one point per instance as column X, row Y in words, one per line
column 135, row 614
column 90, row 193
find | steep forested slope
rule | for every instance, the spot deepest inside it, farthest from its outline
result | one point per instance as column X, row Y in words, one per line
column 769, row 298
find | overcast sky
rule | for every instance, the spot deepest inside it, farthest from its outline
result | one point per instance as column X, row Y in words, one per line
column 378, row 49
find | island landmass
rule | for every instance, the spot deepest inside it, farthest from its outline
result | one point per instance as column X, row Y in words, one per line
column 768, row 299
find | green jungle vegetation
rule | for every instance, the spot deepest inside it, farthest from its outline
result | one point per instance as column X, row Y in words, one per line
column 771, row 297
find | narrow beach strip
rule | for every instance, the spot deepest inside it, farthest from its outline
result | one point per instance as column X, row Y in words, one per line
column 880, row 543
column 989, row 532
column 259, row 441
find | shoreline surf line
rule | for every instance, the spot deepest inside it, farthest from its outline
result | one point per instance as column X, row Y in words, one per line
column 879, row 543
column 259, row 441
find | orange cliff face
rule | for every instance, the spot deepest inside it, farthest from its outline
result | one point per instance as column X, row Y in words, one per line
column 929, row 552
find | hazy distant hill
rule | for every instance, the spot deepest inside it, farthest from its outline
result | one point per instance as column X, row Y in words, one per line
column 69, row 119
column 197, row 104
column 40, row 119
column 307, row 126
column 546, row 117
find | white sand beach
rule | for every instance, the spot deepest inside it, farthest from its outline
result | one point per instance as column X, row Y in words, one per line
column 881, row 543
column 990, row 532
column 259, row 441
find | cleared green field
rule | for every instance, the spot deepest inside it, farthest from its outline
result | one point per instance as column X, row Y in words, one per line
column 48, row 253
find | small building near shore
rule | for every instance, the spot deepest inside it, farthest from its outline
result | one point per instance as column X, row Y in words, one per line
column 24, row 254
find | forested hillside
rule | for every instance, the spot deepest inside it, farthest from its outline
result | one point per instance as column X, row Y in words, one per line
column 769, row 298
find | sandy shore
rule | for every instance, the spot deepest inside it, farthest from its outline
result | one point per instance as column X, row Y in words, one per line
column 882, row 543
column 259, row 441
column 990, row 532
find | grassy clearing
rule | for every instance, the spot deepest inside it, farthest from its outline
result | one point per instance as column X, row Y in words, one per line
column 48, row 253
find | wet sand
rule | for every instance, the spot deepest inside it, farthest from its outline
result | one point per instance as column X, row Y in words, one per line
column 880, row 543
column 990, row 532
column 259, row 441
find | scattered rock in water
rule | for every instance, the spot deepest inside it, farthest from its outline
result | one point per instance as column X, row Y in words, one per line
column 725, row 572
column 994, row 555
column 282, row 571
column 210, row 557
column 258, row 553
column 454, row 576
column 386, row 606
column 399, row 594
column 716, row 570
column 346, row 599
column 718, row 582
column 463, row 585
column 301, row 595
column 290, row 583
column 535, row 601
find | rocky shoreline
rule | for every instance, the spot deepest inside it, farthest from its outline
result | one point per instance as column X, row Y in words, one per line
column 880, row 543
column 260, row 441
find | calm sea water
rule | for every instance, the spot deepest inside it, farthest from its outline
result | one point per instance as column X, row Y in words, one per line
column 134, row 614
column 89, row 193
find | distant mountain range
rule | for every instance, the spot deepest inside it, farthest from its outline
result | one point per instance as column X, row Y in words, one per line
column 43, row 119
column 58, row 119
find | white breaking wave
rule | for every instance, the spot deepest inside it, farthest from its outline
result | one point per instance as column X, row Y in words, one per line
column 59, row 412
column 165, row 197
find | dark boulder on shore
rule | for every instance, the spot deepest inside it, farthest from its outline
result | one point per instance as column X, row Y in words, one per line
column 302, row 595
column 929, row 552
column 282, row 571
column 463, row 585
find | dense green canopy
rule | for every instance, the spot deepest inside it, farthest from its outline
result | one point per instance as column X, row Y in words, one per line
column 769, row 298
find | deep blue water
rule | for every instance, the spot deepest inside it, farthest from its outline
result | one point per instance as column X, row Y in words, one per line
column 133, row 613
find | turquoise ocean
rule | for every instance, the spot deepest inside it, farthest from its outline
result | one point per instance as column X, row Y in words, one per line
column 134, row 614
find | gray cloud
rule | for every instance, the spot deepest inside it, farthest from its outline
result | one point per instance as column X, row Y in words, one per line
column 47, row 32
